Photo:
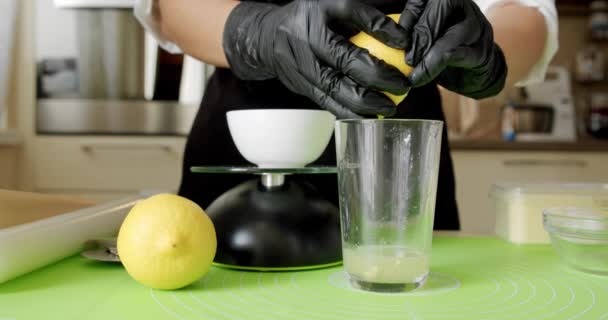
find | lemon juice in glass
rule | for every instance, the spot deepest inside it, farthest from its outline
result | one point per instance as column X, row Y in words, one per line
column 387, row 180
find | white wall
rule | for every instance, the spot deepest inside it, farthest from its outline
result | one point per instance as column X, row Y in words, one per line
column 55, row 30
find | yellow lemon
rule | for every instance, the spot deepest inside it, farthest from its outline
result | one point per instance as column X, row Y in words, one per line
column 166, row 242
column 392, row 56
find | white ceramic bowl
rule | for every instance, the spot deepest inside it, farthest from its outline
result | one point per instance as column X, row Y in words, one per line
column 281, row 138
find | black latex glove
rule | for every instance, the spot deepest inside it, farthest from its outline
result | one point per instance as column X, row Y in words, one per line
column 295, row 44
column 453, row 43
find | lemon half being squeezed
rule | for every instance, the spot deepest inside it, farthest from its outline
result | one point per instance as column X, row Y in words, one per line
column 392, row 56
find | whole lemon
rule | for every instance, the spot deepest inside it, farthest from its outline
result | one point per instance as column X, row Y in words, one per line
column 166, row 242
column 392, row 56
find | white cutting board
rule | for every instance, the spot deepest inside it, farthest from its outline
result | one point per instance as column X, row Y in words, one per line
column 43, row 233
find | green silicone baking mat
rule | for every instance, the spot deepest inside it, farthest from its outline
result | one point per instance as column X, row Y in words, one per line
column 472, row 278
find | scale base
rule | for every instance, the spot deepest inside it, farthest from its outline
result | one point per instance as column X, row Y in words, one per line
column 278, row 228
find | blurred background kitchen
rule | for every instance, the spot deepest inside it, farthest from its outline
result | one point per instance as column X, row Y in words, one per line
column 90, row 106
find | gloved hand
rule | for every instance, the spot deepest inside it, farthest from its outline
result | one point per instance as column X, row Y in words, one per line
column 453, row 43
column 295, row 44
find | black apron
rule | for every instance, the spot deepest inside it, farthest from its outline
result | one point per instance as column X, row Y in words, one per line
column 209, row 142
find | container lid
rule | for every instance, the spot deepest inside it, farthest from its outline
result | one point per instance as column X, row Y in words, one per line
column 578, row 188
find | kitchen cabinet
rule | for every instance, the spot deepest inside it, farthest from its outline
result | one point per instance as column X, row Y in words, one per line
column 10, row 148
column 477, row 171
column 8, row 167
column 106, row 167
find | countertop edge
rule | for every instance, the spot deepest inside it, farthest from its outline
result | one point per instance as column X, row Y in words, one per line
column 499, row 145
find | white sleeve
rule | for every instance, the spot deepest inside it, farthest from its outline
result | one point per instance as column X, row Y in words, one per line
column 548, row 10
column 146, row 11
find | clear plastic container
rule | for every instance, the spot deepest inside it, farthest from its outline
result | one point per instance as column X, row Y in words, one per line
column 519, row 207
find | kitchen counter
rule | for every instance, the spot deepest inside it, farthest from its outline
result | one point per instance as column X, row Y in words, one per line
column 472, row 278
column 499, row 145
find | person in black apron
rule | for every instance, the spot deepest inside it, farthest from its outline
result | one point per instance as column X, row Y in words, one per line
column 210, row 144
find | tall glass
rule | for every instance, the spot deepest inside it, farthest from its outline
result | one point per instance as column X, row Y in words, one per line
column 387, row 180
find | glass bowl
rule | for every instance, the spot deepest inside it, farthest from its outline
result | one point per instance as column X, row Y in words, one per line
column 579, row 236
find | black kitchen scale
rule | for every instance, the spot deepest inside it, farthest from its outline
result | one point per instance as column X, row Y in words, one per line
column 274, row 223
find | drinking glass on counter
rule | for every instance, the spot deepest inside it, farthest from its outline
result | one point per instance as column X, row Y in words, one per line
column 387, row 178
